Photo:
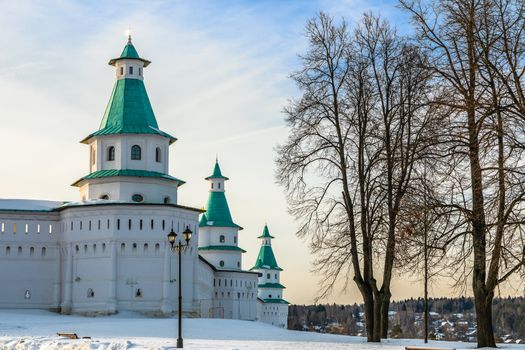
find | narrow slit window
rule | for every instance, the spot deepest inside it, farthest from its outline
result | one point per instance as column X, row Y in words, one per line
column 111, row 153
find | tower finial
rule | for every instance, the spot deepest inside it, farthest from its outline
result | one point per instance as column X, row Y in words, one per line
column 216, row 157
column 128, row 32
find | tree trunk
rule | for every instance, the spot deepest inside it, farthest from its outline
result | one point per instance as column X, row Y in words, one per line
column 483, row 303
column 385, row 304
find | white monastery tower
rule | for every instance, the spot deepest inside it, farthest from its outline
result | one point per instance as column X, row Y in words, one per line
column 219, row 240
column 272, row 308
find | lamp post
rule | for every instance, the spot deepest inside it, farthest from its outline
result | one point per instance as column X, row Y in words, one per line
column 179, row 248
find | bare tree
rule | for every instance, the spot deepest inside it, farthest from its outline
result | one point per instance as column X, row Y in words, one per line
column 356, row 133
column 481, row 175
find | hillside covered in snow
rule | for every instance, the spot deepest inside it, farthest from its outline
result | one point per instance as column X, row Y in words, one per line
column 30, row 329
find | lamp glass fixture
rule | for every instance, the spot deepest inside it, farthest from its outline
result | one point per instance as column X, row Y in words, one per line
column 187, row 234
column 171, row 237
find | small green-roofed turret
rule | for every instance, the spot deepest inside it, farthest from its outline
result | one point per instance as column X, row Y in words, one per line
column 266, row 259
column 217, row 209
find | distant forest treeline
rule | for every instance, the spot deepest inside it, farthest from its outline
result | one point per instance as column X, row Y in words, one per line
column 405, row 316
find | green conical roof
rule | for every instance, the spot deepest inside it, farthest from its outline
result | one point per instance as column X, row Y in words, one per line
column 217, row 174
column 266, row 258
column 129, row 109
column 129, row 51
column 266, row 233
column 217, row 209
column 217, row 212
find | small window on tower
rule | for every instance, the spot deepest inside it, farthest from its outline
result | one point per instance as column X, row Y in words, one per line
column 157, row 155
column 121, row 70
column 222, row 239
column 136, row 152
column 219, row 185
column 167, row 200
column 140, row 71
column 130, row 70
column 111, row 153
column 221, row 263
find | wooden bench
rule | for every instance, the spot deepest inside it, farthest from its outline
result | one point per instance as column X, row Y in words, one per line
column 71, row 335
column 68, row 335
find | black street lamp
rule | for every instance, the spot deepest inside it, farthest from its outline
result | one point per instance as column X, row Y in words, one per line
column 179, row 248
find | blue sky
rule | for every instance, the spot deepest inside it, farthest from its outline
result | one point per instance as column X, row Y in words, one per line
column 218, row 82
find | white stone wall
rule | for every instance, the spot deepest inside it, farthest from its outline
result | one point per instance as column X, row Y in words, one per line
column 274, row 314
column 223, row 259
column 211, row 236
column 127, row 262
column 123, row 188
column 29, row 260
column 205, row 290
column 123, row 144
column 235, row 294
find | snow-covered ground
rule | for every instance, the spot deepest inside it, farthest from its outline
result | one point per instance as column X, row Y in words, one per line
column 31, row 329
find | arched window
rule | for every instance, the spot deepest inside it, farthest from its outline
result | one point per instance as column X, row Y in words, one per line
column 31, row 251
column 136, row 153
column 145, row 247
column 222, row 239
column 19, row 250
column 111, row 153
column 157, row 155
column 221, row 263
column 167, row 200
column 7, row 250
column 122, row 247
column 104, row 196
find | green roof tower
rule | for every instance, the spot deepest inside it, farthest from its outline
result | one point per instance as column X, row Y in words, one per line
column 218, row 241
column 129, row 154
column 270, row 289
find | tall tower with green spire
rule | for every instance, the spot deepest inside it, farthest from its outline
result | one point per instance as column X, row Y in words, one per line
column 270, row 292
column 218, row 234
column 129, row 151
